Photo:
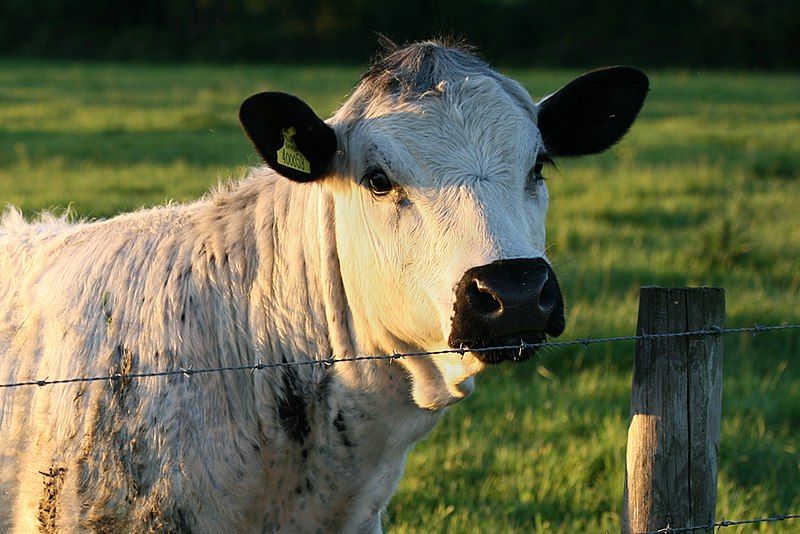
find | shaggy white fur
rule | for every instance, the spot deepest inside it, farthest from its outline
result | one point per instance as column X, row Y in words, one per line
column 249, row 273
column 271, row 270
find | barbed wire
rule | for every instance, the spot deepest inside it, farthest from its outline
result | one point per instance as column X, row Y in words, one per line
column 189, row 371
column 722, row 524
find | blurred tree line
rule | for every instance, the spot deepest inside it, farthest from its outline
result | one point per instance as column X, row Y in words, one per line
column 686, row 33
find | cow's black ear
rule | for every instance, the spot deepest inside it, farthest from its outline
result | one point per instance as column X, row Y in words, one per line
column 592, row 112
column 288, row 135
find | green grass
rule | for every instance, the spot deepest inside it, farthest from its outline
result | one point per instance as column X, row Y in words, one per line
column 704, row 190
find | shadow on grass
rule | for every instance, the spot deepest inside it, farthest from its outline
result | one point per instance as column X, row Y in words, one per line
column 225, row 147
column 750, row 461
column 654, row 217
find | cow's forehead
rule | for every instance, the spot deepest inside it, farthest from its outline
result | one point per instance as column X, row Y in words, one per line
column 441, row 110
column 472, row 128
column 466, row 129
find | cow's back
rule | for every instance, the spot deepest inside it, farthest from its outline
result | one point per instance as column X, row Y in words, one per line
column 85, row 299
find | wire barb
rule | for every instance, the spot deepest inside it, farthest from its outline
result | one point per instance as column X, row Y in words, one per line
column 722, row 524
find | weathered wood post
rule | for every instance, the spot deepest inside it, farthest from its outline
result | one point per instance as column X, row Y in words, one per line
column 676, row 404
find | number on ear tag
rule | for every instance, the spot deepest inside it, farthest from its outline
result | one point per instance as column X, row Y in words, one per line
column 290, row 156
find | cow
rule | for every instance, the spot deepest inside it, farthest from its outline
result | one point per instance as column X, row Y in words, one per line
column 413, row 219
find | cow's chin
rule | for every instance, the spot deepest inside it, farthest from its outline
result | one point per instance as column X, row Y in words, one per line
column 442, row 380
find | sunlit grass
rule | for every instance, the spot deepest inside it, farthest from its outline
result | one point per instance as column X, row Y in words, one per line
column 703, row 191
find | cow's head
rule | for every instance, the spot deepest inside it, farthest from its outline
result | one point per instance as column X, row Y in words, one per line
column 436, row 164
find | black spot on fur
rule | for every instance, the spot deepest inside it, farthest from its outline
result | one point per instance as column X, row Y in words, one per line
column 170, row 519
column 324, row 388
column 292, row 407
column 48, row 504
column 103, row 524
column 119, row 453
column 341, row 427
column 121, row 364
column 183, row 521
column 309, row 485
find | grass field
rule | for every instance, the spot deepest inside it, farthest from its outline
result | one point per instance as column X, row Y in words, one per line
column 704, row 190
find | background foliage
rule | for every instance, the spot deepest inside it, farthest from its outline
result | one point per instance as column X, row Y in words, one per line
column 722, row 33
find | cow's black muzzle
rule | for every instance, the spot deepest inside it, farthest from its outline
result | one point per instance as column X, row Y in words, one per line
column 503, row 303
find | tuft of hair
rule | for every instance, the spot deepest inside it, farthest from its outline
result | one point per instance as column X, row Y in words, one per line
column 414, row 69
column 12, row 222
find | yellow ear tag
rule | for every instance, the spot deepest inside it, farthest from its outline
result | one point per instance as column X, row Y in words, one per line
column 290, row 156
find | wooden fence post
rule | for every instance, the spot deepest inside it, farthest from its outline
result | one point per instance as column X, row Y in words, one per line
column 676, row 404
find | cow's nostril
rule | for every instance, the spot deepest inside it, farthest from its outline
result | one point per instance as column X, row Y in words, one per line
column 482, row 299
column 548, row 296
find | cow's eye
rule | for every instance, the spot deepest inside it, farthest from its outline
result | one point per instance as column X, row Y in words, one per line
column 535, row 175
column 379, row 183
column 537, row 171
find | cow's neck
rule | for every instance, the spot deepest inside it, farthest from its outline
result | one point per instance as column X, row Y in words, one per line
column 272, row 261
column 353, row 421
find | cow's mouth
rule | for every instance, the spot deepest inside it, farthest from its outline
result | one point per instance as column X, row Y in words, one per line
column 513, row 343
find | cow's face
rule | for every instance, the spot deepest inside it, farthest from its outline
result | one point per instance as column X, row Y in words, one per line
column 440, row 207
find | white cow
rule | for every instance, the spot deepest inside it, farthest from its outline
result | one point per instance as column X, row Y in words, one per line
column 413, row 219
